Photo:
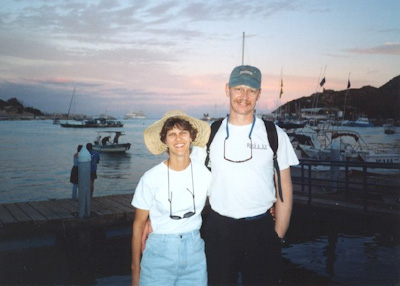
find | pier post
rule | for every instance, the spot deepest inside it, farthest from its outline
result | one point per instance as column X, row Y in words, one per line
column 335, row 158
column 84, row 162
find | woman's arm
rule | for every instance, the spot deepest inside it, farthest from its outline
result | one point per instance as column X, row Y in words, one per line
column 139, row 223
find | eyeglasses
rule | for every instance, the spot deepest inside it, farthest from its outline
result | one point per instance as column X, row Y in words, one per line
column 188, row 214
column 251, row 143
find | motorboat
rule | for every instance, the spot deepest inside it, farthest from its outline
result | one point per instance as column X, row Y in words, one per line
column 135, row 115
column 360, row 122
column 108, row 142
column 99, row 122
column 389, row 127
column 312, row 144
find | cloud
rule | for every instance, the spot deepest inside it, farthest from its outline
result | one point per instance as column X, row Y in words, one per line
column 386, row 49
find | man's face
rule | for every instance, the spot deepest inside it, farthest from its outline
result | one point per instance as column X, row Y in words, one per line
column 242, row 98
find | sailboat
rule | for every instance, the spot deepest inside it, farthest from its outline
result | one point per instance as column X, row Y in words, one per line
column 99, row 122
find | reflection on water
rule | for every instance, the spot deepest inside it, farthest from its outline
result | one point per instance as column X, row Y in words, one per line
column 318, row 251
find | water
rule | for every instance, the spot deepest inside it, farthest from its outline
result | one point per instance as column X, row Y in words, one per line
column 35, row 162
column 318, row 251
column 36, row 158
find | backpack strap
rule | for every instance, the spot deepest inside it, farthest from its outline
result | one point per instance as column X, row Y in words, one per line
column 273, row 142
column 214, row 128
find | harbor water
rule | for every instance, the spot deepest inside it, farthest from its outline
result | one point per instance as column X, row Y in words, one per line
column 35, row 163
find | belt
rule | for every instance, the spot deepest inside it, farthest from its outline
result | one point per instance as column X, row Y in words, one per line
column 255, row 217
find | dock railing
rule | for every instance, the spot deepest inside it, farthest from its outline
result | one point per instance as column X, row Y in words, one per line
column 371, row 185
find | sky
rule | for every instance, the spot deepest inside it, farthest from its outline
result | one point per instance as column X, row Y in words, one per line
column 152, row 56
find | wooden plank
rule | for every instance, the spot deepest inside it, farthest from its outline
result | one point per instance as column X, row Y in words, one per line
column 44, row 210
column 99, row 208
column 70, row 205
column 121, row 202
column 16, row 212
column 106, row 205
column 5, row 216
column 117, row 207
column 58, row 209
column 31, row 212
column 124, row 200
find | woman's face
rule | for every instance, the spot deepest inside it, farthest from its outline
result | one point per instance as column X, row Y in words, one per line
column 178, row 142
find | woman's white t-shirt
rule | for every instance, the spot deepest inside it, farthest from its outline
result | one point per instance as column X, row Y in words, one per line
column 152, row 193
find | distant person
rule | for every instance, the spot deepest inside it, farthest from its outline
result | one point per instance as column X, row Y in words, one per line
column 93, row 167
column 98, row 140
column 117, row 137
column 105, row 140
column 74, row 175
column 173, row 194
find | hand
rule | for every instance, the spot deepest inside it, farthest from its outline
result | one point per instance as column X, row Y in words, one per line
column 147, row 230
column 272, row 212
column 135, row 281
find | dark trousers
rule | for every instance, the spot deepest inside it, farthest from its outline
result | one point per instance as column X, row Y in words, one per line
column 250, row 247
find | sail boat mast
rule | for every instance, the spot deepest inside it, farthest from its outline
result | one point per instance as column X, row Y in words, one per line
column 243, row 50
column 70, row 104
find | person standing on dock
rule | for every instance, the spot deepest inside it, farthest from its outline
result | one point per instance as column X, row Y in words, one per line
column 93, row 167
column 243, row 239
column 172, row 194
column 74, row 174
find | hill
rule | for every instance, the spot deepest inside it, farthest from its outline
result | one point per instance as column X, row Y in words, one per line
column 378, row 104
column 13, row 108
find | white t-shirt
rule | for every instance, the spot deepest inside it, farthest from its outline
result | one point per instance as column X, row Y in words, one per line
column 152, row 194
column 246, row 189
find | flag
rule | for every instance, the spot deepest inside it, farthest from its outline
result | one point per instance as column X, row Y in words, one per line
column 280, row 95
column 348, row 84
column 322, row 82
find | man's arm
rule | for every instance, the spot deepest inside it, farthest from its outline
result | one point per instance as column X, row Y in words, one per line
column 139, row 223
column 283, row 210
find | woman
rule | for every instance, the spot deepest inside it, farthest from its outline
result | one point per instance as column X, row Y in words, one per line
column 73, row 178
column 172, row 194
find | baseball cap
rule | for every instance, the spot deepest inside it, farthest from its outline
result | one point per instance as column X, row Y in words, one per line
column 245, row 75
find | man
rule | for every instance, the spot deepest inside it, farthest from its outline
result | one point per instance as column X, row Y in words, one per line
column 93, row 167
column 243, row 240
column 116, row 137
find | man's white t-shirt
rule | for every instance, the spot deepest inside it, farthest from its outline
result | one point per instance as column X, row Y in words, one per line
column 152, row 193
column 246, row 189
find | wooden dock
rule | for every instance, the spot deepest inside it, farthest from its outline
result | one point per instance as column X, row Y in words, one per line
column 54, row 215
column 61, row 216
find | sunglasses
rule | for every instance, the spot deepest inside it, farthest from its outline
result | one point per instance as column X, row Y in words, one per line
column 188, row 214
column 251, row 143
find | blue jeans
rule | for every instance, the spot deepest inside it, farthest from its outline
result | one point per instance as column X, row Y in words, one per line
column 174, row 259
column 75, row 191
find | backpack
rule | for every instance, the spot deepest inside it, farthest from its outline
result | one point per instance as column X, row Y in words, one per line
column 273, row 142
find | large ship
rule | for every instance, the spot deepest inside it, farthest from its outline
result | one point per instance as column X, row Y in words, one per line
column 135, row 115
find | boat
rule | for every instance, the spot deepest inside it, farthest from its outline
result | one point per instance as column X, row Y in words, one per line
column 99, row 122
column 312, row 144
column 135, row 115
column 338, row 145
column 104, row 144
column 360, row 122
column 207, row 117
column 389, row 127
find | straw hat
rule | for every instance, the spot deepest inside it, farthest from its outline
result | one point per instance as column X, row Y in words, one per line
column 151, row 134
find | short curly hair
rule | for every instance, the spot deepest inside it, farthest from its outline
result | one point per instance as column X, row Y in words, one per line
column 179, row 123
